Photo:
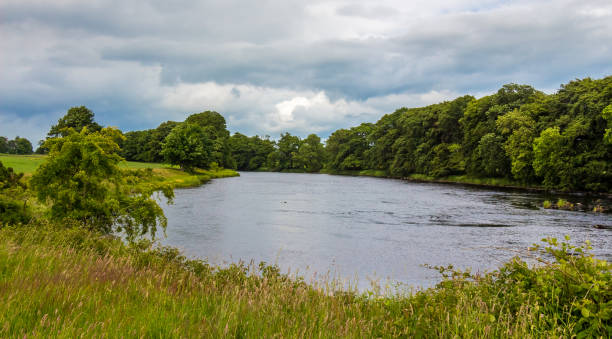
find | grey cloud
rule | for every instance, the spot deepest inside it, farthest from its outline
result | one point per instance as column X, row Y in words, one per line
column 120, row 57
column 368, row 12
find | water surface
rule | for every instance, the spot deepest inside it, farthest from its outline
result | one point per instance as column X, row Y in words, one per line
column 370, row 228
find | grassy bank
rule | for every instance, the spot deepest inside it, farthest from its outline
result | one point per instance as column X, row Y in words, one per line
column 29, row 163
column 180, row 179
column 58, row 282
column 161, row 173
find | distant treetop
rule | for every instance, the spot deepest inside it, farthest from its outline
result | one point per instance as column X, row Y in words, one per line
column 76, row 118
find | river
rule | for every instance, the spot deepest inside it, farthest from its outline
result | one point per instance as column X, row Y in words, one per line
column 365, row 230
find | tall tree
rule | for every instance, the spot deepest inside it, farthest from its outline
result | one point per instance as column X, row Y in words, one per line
column 4, row 147
column 76, row 118
column 607, row 114
column 22, row 146
column 188, row 146
column 81, row 181
column 288, row 146
column 215, row 127
column 311, row 154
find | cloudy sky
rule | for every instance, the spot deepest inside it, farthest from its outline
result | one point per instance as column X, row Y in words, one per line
column 282, row 65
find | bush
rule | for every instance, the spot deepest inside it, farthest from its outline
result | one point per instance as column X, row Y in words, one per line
column 81, row 180
column 13, row 212
column 568, row 292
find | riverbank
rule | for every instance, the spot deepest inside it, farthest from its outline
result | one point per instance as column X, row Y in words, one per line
column 493, row 183
column 160, row 173
column 180, row 179
column 69, row 282
column 455, row 179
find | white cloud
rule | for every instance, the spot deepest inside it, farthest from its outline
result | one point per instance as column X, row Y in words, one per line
column 298, row 66
column 266, row 110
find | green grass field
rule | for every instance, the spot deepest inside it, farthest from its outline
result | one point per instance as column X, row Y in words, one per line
column 22, row 163
column 163, row 173
column 29, row 163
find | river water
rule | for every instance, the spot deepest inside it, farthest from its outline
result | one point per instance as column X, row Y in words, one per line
column 365, row 230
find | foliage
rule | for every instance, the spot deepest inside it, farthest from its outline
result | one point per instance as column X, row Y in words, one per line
column 15, row 146
column 188, row 146
column 494, row 161
column 12, row 210
column 250, row 153
column 9, row 179
column 287, row 148
column 551, row 160
column 69, row 282
column 311, row 154
column 518, row 134
column 215, row 127
column 4, row 145
column 575, row 289
column 81, row 181
column 490, row 139
column 607, row 114
column 76, row 118
column 146, row 145
column 349, row 149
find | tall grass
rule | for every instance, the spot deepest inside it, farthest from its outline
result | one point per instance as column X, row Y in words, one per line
column 68, row 282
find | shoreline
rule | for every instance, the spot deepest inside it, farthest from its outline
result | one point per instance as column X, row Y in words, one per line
column 460, row 180
column 179, row 179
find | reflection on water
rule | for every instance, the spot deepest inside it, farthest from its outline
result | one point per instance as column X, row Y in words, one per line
column 366, row 227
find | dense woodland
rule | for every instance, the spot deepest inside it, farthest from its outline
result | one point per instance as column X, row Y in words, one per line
column 559, row 141
column 519, row 133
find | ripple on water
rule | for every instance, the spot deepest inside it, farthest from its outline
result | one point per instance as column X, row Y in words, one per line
column 358, row 226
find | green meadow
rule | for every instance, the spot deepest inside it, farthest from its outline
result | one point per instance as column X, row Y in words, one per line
column 29, row 163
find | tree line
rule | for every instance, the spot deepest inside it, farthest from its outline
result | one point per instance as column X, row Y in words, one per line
column 16, row 146
column 559, row 141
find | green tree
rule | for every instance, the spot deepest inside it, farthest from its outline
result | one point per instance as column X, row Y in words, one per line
column 13, row 209
column 76, row 118
column 81, row 181
column 349, row 149
column 551, row 161
column 519, row 127
column 216, row 128
column 250, row 153
column 40, row 149
column 288, row 146
column 491, row 153
column 311, row 154
column 242, row 150
column 262, row 148
column 188, row 146
column 4, row 145
column 18, row 146
column 607, row 114
column 23, row 146
column 447, row 160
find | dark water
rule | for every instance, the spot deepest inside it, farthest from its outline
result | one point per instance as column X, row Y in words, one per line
column 373, row 229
